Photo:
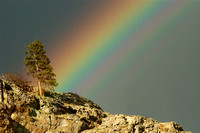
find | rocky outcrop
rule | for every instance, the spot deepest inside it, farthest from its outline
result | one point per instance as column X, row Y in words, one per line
column 134, row 124
column 27, row 112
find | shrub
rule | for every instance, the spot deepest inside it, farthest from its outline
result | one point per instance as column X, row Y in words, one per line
column 18, row 80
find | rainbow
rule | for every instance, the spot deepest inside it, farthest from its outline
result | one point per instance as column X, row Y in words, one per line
column 111, row 39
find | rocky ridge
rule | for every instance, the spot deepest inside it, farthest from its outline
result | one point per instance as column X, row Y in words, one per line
column 27, row 112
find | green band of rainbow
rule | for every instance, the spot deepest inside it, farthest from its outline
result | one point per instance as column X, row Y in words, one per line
column 111, row 39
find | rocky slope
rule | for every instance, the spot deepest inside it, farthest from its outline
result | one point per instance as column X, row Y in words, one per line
column 27, row 112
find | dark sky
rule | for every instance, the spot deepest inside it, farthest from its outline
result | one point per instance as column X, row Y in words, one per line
column 23, row 21
column 175, row 69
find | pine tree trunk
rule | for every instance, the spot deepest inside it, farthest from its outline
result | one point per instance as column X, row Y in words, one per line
column 39, row 82
column 40, row 88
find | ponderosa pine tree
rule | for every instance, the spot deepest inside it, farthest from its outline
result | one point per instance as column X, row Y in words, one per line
column 37, row 65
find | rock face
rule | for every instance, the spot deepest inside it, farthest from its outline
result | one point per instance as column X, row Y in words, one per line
column 27, row 112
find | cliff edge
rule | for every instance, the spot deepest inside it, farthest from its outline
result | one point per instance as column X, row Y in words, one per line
column 26, row 112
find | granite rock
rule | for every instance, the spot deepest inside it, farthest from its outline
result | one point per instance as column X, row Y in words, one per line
column 27, row 112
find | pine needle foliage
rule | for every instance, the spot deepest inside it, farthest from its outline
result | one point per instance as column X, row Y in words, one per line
column 37, row 65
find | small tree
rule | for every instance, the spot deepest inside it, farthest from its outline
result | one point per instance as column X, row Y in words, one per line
column 37, row 65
